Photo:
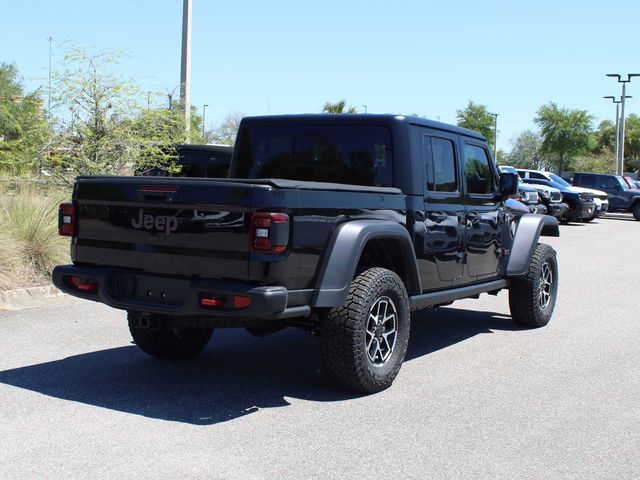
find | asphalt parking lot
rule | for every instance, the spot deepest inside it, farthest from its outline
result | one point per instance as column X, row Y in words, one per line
column 476, row 398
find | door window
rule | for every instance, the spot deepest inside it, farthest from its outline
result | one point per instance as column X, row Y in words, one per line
column 477, row 170
column 608, row 183
column 588, row 181
column 440, row 164
column 537, row 175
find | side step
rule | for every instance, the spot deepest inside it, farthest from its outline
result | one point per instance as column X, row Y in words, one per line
column 445, row 296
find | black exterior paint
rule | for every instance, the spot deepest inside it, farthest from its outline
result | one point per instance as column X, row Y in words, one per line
column 454, row 240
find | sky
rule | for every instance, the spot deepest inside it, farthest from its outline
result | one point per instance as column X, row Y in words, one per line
column 404, row 57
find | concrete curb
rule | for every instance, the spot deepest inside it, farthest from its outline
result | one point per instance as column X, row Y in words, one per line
column 31, row 297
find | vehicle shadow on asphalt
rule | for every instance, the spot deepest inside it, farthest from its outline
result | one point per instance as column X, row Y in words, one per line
column 235, row 376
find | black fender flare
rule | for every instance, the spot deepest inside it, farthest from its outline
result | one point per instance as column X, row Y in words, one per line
column 530, row 228
column 341, row 257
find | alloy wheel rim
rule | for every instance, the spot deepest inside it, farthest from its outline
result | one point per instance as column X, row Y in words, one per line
column 546, row 285
column 381, row 331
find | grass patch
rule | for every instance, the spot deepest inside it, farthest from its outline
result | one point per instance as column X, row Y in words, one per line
column 29, row 243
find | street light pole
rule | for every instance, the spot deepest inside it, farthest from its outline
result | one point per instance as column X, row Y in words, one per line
column 185, row 67
column 495, row 134
column 622, row 119
column 50, row 38
column 204, row 111
column 617, row 138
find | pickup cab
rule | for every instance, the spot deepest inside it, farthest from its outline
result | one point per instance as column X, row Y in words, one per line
column 341, row 225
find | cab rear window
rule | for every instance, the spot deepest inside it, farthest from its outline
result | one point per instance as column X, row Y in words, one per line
column 349, row 154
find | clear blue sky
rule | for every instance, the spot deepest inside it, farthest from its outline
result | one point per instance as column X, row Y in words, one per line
column 260, row 57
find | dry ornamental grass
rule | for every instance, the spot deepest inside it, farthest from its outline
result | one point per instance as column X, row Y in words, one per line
column 29, row 243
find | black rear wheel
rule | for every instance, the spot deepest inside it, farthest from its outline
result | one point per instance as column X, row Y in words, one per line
column 363, row 342
column 163, row 341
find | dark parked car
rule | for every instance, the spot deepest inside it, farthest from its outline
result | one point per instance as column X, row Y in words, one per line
column 341, row 225
column 598, row 197
column 621, row 197
column 581, row 205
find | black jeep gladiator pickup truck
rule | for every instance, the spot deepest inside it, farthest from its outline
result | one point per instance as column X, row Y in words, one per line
column 338, row 224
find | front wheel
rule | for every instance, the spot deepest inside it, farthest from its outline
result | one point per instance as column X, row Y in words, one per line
column 163, row 341
column 532, row 298
column 364, row 342
column 636, row 211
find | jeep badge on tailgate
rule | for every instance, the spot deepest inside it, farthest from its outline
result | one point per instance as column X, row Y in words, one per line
column 155, row 222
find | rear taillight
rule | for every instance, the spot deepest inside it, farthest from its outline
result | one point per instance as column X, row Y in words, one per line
column 67, row 221
column 269, row 232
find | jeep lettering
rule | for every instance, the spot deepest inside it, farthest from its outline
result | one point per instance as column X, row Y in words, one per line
column 158, row 222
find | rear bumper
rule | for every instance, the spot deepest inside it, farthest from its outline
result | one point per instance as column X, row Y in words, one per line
column 176, row 296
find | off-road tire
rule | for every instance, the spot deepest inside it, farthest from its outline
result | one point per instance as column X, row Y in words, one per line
column 636, row 210
column 526, row 293
column 168, row 342
column 589, row 219
column 344, row 337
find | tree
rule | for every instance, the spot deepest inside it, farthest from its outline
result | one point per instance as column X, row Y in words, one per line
column 226, row 132
column 102, row 124
column 526, row 151
column 632, row 143
column 604, row 137
column 338, row 107
column 565, row 132
column 476, row 117
column 24, row 132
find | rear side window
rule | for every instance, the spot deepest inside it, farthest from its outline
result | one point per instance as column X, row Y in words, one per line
column 537, row 175
column 588, row 181
column 608, row 183
column 477, row 170
column 440, row 164
column 350, row 154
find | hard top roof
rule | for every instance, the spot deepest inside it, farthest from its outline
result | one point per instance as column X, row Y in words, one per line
column 358, row 119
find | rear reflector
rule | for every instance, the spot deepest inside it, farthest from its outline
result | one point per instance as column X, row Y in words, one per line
column 241, row 301
column 83, row 285
column 67, row 219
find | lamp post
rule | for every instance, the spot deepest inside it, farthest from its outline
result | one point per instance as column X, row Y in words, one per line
column 621, row 137
column 616, row 147
column 495, row 134
column 50, row 38
column 204, row 111
column 185, row 67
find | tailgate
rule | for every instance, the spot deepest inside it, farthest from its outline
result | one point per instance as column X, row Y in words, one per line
column 164, row 225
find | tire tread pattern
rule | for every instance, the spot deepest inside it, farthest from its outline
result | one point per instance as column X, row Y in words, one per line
column 341, row 331
column 523, row 291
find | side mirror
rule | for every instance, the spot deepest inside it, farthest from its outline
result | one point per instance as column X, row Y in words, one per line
column 508, row 184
